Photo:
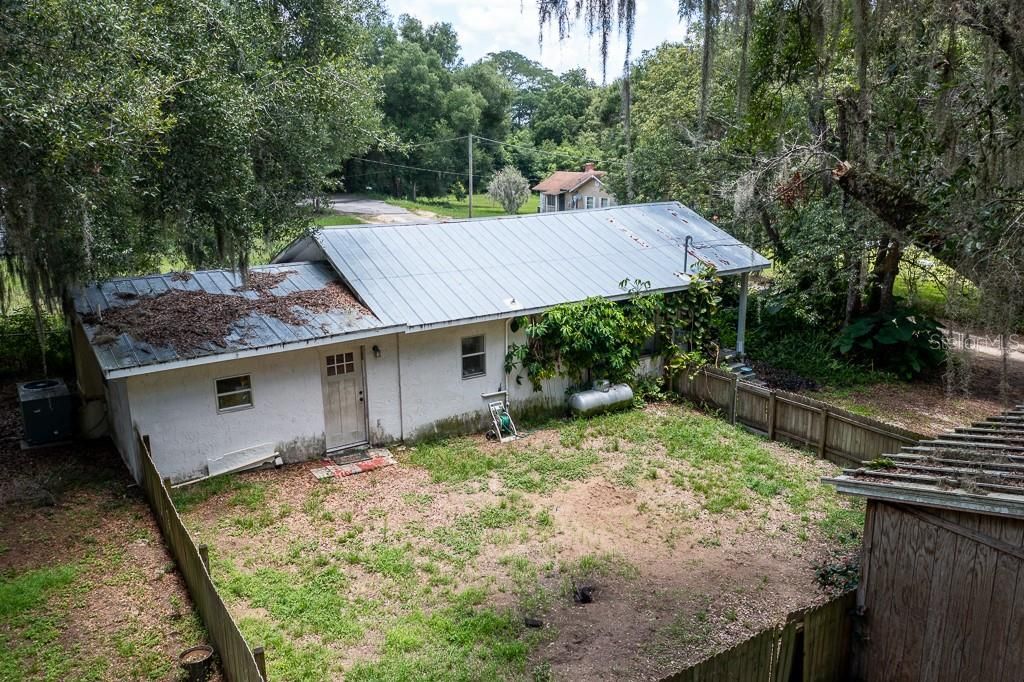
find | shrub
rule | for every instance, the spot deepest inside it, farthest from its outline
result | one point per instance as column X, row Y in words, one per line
column 509, row 188
column 903, row 341
column 19, row 343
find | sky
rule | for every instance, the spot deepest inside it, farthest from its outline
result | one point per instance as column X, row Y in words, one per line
column 512, row 25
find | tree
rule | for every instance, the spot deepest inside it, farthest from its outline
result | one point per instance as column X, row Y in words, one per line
column 132, row 130
column 432, row 102
column 509, row 188
column 529, row 81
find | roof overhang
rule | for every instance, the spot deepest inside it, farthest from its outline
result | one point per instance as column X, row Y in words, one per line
column 512, row 314
column 248, row 353
column 997, row 504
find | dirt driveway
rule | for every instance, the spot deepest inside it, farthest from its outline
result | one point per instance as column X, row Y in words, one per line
column 375, row 210
column 468, row 559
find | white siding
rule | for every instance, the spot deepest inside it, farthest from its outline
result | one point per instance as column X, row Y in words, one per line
column 178, row 409
column 437, row 400
column 435, row 397
column 122, row 429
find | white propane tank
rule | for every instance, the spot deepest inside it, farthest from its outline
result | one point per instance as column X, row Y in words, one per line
column 602, row 398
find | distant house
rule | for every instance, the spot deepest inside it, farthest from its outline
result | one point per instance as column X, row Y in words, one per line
column 571, row 190
column 361, row 336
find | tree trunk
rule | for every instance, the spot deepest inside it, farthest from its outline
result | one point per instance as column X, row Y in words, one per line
column 709, row 18
column 883, row 275
column 893, row 204
column 995, row 19
column 781, row 252
column 627, row 114
column 743, row 81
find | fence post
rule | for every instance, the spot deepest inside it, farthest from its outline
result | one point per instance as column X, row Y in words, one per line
column 735, row 390
column 204, row 554
column 824, row 433
column 771, row 416
column 261, row 661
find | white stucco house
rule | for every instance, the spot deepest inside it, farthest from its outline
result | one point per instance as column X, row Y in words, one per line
column 422, row 353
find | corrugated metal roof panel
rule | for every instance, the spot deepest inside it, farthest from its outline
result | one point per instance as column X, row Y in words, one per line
column 249, row 333
column 440, row 273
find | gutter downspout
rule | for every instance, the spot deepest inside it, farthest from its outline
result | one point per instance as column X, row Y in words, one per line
column 401, row 405
column 741, row 323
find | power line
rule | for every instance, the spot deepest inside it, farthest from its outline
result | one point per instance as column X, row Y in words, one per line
column 431, row 142
column 418, row 168
column 536, row 150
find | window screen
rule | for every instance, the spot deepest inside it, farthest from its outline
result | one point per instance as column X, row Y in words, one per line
column 234, row 393
column 474, row 357
column 604, row 202
column 590, row 202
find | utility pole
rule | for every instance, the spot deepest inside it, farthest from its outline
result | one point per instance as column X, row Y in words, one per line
column 471, row 175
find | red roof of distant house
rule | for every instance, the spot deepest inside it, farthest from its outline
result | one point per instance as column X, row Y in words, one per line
column 564, row 181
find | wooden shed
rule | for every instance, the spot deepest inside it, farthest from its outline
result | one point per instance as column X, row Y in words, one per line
column 941, row 595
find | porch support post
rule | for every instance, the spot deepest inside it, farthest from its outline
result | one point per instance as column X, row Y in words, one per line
column 741, row 323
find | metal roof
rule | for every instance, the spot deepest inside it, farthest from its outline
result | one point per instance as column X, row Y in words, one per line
column 453, row 272
column 249, row 333
column 978, row 467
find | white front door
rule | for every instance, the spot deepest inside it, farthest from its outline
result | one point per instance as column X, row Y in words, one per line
column 344, row 404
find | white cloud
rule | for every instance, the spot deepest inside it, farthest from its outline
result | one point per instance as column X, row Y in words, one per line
column 512, row 25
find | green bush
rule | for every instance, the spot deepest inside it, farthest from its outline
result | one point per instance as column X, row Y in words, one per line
column 19, row 343
column 903, row 341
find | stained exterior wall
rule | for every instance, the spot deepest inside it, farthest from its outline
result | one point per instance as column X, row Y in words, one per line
column 177, row 409
column 119, row 420
column 943, row 596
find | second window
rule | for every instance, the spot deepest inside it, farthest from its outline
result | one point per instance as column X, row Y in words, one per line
column 474, row 357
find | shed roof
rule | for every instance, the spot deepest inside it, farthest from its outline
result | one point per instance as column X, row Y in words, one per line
column 566, row 181
column 454, row 272
column 976, row 468
column 254, row 331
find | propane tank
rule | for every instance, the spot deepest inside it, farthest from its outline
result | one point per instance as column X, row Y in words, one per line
column 604, row 397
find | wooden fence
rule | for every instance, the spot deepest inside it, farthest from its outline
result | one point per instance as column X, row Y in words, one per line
column 237, row 662
column 837, row 435
column 813, row 646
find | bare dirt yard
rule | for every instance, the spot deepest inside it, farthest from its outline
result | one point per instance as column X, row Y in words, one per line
column 468, row 559
column 87, row 589
column 927, row 408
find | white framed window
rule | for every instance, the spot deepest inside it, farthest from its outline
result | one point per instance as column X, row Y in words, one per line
column 234, row 393
column 474, row 357
column 590, row 202
column 604, row 202
column 342, row 363
column 550, row 199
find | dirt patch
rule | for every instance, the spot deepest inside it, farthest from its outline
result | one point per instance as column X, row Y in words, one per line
column 124, row 612
column 673, row 581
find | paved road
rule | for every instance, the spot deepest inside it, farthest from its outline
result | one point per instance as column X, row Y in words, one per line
column 374, row 210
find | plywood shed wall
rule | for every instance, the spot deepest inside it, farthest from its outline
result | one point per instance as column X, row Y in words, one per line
column 942, row 593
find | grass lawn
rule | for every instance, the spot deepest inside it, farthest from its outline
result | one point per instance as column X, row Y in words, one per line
column 483, row 206
column 87, row 589
column 335, row 220
column 694, row 533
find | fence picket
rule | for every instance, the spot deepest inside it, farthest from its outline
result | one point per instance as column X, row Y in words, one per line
column 768, row 656
column 840, row 436
column 236, row 660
